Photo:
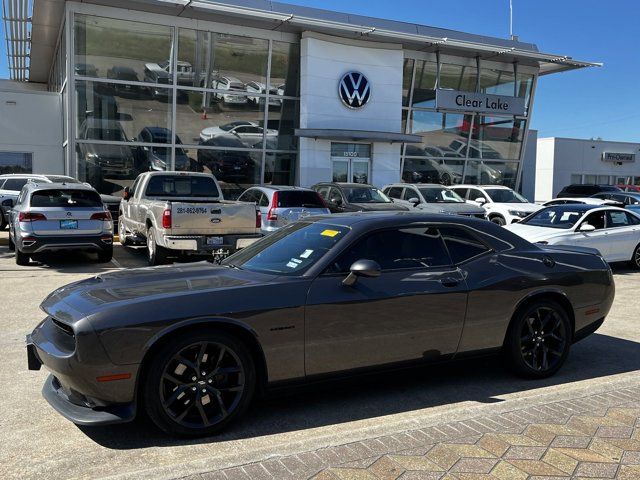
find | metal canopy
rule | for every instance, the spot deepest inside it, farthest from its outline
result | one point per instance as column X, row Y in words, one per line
column 356, row 135
column 17, row 30
column 296, row 19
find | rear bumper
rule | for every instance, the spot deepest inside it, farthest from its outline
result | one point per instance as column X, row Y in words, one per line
column 39, row 244
column 198, row 243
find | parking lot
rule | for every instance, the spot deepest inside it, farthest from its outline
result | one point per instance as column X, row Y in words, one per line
column 36, row 442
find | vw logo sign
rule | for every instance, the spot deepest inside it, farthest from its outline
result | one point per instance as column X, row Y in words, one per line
column 354, row 90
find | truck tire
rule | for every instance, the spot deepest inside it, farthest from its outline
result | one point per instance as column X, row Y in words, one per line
column 122, row 232
column 156, row 255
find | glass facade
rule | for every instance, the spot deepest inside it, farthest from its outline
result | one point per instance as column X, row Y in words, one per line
column 460, row 147
column 152, row 97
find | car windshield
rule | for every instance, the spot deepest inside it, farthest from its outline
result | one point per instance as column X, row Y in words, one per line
column 289, row 251
column 440, row 195
column 504, row 195
column 560, row 216
column 365, row 195
column 182, row 186
column 65, row 198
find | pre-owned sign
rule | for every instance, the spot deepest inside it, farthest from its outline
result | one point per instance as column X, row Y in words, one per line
column 618, row 157
column 479, row 102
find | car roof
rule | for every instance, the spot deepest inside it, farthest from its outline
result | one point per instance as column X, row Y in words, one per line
column 501, row 187
column 281, row 188
column 583, row 207
column 34, row 186
column 416, row 185
column 345, row 184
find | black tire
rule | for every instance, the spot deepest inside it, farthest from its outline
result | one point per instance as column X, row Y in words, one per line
column 105, row 256
column 635, row 259
column 122, row 232
column 12, row 246
column 3, row 222
column 166, row 375
column 445, row 179
column 498, row 220
column 22, row 259
column 530, row 351
column 156, row 255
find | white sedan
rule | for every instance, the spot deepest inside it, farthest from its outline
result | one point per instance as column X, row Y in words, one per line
column 613, row 231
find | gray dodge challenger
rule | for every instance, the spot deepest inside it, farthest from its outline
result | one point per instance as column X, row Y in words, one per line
column 190, row 345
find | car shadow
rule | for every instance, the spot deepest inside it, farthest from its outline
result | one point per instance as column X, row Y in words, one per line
column 479, row 380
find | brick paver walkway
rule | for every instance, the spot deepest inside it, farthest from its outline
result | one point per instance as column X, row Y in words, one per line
column 596, row 436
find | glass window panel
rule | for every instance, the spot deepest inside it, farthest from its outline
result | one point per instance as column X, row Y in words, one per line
column 285, row 69
column 492, row 173
column 407, row 74
column 576, row 179
column 108, row 168
column 525, row 83
column 405, row 115
column 590, row 179
column 458, row 77
column 15, row 162
column 497, row 82
column 424, row 89
column 496, row 138
column 236, row 170
column 603, row 180
column 117, row 112
column 282, row 121
column 221, row 120
column 432, row 170
column 443, row 134
column 280, row 168
column 122, row 49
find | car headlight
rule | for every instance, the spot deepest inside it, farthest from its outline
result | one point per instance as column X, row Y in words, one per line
column 518, row 213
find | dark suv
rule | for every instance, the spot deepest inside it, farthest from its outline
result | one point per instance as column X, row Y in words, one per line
column 587, row 190
column 355, row 197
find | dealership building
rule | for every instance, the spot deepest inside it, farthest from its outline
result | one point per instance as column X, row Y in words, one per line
column 261, row 92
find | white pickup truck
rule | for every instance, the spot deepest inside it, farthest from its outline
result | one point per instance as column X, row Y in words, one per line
column 184, row 213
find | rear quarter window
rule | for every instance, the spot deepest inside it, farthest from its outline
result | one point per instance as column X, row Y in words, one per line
column 297, row 199
column 65, row 198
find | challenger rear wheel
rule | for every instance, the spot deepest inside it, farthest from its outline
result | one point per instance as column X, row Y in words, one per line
column 199, row 383
column 538, row 339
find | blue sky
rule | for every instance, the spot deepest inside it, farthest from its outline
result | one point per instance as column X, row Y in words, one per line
column 597, row 102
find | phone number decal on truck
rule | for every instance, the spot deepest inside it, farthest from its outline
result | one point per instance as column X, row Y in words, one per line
column 192, row 210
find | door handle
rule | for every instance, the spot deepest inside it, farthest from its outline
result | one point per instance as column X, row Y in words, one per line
column 450, row 282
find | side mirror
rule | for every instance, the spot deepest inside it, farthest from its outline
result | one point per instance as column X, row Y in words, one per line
column 362, row 268
column 585, row 227
column 481, row 200
column 415, row 201
column 8, row 203
column 126, row 195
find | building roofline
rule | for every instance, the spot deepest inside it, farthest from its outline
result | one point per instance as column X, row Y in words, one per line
column 588, row 140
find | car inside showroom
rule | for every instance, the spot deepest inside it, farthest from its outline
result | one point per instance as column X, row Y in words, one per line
column 268, row 93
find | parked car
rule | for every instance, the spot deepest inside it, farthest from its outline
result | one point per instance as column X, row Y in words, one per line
column 629, row 188
column 58, row 216
column 189, row 346
column 184, row 213
column 628, row 200
column 355, row 197
column 126, row 74
column 585, row 190
column 11, row 185
column 86, row 70
column 254, row 88
column 583, row 200
column 159, row 158
column 282, row 205
column 247, row 132
column 613, row 231
column 105, row 160
column 428, row 170
column 236, row 95
column 503, row 205
column 432, row 198
column 227, row 165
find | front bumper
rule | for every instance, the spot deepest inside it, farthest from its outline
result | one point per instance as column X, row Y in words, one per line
column 39, row 244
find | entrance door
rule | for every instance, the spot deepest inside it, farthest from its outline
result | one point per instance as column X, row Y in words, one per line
column 351, row 162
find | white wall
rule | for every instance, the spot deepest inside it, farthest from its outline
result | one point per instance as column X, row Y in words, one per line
column 323, row 62
column 545, row 156
column 528, row 181
column 31, row 121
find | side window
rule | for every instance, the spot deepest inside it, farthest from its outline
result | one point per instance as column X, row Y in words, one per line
column 406, row 248
column 462, row 192
column 617, row 219
column 334, row 194
column 410, row 193
column 596, row 219
column 632, row 219
column 248, row 196
column 394, row 192
column 135, row 188
column 475, row 193
column 263, row 200
column 15, row 184
column 324, row 192
column 461, row 244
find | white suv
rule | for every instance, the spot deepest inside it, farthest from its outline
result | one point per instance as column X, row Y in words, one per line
column 503, row 205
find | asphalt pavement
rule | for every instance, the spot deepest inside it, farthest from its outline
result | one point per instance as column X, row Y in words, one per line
column 36, row 442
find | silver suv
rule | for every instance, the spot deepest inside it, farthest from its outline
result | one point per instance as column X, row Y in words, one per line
column 55, row 216
column 281, row 205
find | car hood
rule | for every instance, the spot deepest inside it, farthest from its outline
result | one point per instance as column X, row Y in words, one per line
column 521, row 207
column 536, row 234
column 109, row 151
column 380, row 207
column 78, row 300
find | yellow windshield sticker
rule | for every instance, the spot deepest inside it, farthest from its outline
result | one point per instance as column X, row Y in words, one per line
column 330, row 233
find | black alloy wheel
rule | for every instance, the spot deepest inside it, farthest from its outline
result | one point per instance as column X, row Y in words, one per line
column 635, row 260
column 201, row 384
column 538, row 340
